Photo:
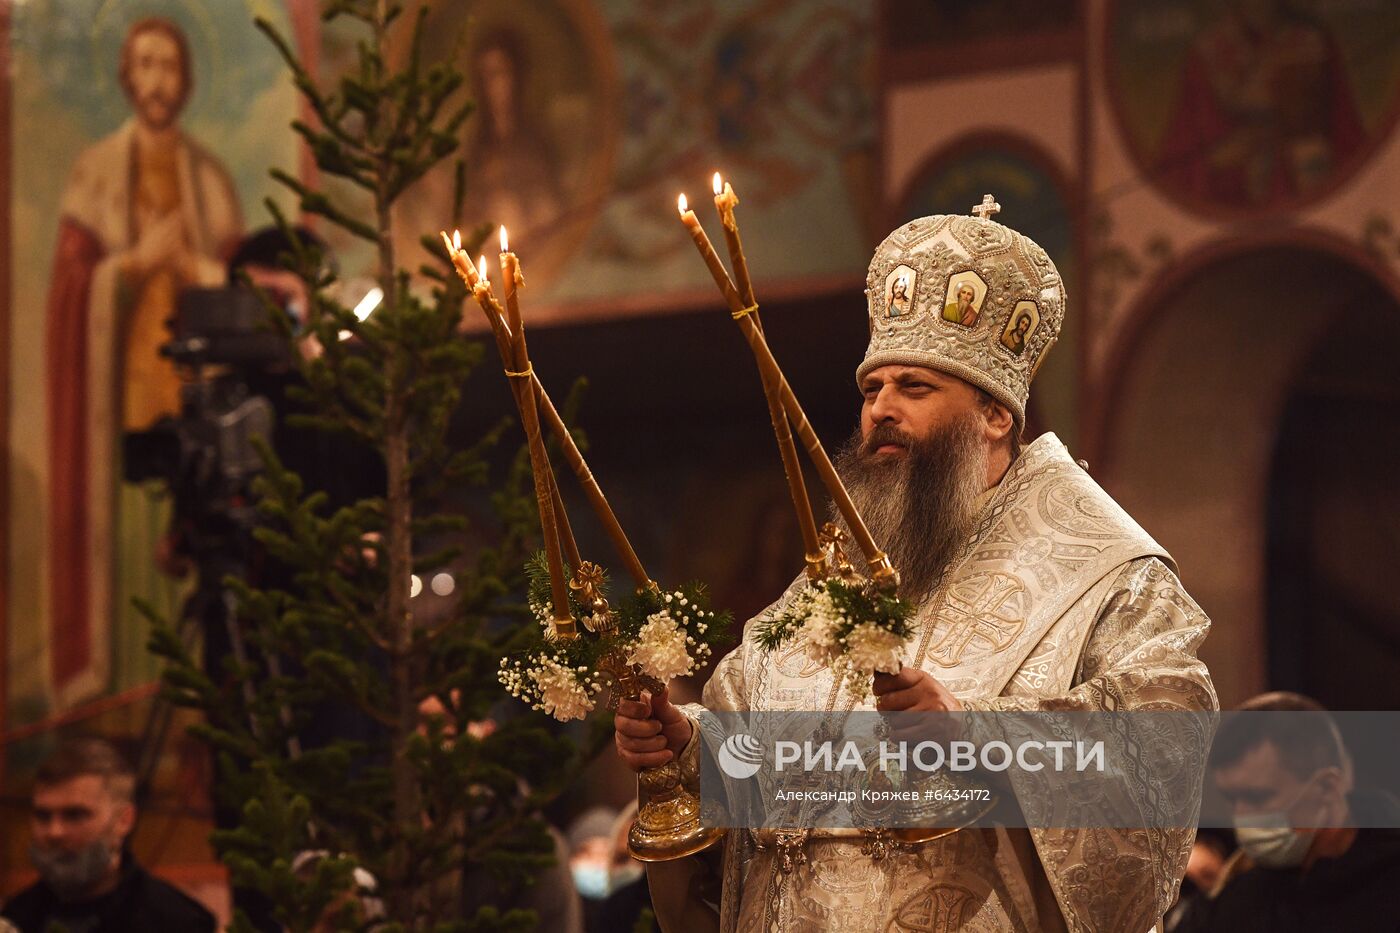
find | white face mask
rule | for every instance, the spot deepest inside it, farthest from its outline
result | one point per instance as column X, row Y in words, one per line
column 1272, row 846
column 1270, row 839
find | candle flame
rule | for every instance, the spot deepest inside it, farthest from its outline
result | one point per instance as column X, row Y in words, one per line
column 682, row 205
column 718, row 183
column 505, row 240
column 457, row 240
column 481, row 267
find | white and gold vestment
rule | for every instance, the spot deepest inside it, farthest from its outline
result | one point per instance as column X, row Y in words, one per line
column 1058, row 601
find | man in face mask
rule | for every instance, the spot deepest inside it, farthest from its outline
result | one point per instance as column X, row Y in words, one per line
column 1303, row 864
column 82, row 813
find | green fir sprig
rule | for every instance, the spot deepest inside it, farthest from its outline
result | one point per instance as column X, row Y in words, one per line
column 855, row 603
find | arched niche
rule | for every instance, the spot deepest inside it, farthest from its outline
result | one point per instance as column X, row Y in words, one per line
column 1191, row 417
column 1334, row 519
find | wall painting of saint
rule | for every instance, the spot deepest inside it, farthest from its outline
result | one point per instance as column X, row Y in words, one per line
column 141, row 138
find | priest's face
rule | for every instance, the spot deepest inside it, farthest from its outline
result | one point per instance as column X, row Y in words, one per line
column 916, row 468
column 911, row 402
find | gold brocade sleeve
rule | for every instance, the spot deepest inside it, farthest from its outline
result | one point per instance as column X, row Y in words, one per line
column 1139, row 654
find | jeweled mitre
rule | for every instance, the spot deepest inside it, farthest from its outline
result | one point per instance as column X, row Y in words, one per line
column 967, row 296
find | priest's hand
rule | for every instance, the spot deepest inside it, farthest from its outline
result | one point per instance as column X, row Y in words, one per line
column 913, row 690
column 649, row 732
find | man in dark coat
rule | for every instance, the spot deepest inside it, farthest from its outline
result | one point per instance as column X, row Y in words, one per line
column 1315, row 853
column 82, row 813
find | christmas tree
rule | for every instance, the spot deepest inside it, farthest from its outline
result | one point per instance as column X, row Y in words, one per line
column 430, row 805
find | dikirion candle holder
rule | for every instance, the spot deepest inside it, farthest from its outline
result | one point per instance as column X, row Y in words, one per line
column 849, row 619
column 587, row 641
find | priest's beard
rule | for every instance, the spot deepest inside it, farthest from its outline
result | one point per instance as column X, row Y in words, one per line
column 919, row 507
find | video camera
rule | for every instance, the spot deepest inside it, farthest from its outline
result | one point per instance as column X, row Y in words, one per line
column 205, row 456
column 224, row 325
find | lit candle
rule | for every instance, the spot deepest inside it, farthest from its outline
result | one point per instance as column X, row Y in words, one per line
column 707, row 252
column 725, row 202
column 773, row 376
column 481, row 291
column 513, row 278
column 475, row 276
column 511, row 281
column 460, row 262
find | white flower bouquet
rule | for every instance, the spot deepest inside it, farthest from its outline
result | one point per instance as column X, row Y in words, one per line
column 851, row 625
column 644, row 642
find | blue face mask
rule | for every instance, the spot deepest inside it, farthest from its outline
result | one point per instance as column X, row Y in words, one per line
column 591, row 879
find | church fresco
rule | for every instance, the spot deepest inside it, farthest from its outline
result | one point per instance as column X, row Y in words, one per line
column 632, row 103
column 1252, row 105
column 134, row 174
column 616, row 107
column 541, row 145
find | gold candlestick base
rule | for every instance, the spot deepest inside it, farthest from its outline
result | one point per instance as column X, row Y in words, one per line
column 668, row 807
column 947, row 805
column 668, row 818
column 944, row 804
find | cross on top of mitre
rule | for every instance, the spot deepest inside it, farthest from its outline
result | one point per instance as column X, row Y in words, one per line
column 987, row 208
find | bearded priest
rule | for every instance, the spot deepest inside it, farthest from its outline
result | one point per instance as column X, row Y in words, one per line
column 1034, row 591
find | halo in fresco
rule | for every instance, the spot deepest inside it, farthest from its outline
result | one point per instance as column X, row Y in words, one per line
column 1240, row 106
column 78, row 42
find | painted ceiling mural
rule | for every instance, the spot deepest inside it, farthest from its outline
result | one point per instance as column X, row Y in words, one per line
column 1252, row 105
column 592, row 117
